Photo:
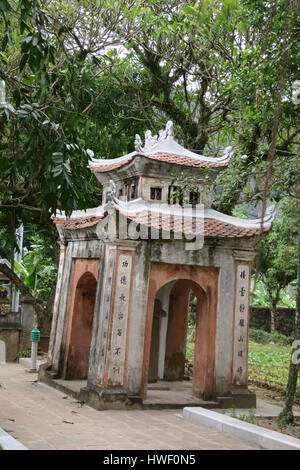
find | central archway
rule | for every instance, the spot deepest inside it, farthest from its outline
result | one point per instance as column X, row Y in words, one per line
column 203, row 283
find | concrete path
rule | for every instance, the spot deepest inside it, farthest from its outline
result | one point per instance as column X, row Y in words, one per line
column 263, row 409
column 43, row 418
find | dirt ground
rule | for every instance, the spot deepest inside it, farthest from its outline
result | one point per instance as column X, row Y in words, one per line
column 272, row 396
column 276, row 398
column 271, row 423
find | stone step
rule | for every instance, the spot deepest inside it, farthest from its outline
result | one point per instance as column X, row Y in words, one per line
column 165, row 405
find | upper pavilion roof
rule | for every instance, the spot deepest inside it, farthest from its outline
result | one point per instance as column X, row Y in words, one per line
column 162, row 148
column 214, row 223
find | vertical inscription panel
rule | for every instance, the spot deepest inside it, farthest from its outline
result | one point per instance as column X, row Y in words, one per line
column 117, row 353
column 105, row 322
column 240, row 345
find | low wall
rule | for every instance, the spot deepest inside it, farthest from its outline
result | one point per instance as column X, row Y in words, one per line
column 260, row 317
column 12, row 338
column 15, row 329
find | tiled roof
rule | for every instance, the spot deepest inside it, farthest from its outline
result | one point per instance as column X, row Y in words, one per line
column 78, row 223
column 98, row 168
column 212, row 228
column 161, row 157
column 187, row 226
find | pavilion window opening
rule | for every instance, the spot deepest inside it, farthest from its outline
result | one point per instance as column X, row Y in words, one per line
column 155, row 194
column 133, row 194
column 129, row 190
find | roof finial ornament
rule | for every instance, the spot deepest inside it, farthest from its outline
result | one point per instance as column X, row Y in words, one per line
column 169, row 130
column 138, row 144
column 150, row 140
column 166, row 133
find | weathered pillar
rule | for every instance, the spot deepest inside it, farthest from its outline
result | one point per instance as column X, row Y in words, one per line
column 239, row 380
column 114, row 320
column 56, row 301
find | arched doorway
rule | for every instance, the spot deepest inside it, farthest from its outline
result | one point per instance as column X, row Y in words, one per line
column 178, row 283
column 80, row 331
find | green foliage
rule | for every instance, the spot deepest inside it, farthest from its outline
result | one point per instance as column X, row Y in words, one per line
column 24, row 353
column 248, row 418
column 192, row 311
column 268, row 365
column 268, row 359
column 37, row 270
column 278, row 256
column 92, row 80
column 258, row 294
column 264, row 337
column 260, row 297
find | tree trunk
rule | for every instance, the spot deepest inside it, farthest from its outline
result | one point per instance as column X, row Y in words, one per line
column 287, row 412
column 273, row 313
column 273, row 305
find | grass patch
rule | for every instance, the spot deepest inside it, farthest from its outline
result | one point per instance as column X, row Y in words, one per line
column 268, row 365
column 268, row 359
column 263, row 337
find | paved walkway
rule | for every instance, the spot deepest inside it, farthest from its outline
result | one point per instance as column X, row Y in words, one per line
column 43, row 418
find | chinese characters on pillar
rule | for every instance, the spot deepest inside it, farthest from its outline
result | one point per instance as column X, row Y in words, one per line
column 117, row 354
column 240, row 349
column 105, row 322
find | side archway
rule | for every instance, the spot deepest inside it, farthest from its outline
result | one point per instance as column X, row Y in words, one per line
column 80, row 328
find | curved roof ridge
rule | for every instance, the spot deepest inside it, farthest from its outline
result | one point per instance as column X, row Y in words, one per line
column 163, row 148
column 139, row 206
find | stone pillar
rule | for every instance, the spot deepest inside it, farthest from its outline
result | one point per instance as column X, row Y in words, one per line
column 115, row 317
column 239, row 380
column 56, row 301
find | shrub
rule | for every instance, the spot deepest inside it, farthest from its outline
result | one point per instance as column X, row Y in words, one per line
column 264, row 337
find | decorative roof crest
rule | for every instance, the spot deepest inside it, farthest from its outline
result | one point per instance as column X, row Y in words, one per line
column 152, row 140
